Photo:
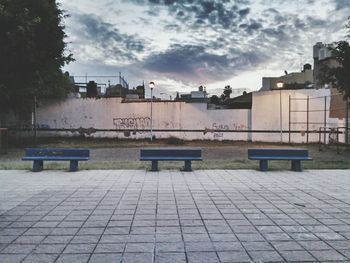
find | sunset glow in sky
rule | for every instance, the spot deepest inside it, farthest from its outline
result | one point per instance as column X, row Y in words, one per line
column 186, row 43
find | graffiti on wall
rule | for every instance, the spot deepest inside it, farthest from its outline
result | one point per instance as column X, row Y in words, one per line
column 132, row 123
column 222, row 127
column 216, row 129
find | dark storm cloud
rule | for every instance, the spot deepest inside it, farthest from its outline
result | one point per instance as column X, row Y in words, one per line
column 193, row 62
column 108, row 38
column 341, row 4
column 202, row 13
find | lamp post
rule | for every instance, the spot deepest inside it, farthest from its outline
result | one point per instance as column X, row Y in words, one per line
column 151, row 85
column 280, row 87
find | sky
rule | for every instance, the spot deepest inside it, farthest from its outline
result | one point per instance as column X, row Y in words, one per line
column 182, row 44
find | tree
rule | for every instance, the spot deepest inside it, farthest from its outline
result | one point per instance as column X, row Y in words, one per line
column 91, row 89
column 32, row 52
column 339, row 76
column 214, row 99
column 227, row 91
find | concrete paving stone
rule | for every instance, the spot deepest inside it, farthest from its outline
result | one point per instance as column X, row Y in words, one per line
column 73, row 258
column 199, row 246
column 117, row 231
column 91, row 231
column 11, row 258
column 170, row 247
column 295, row 229
column 12, row 231
column 329, row 236
column 222, row 237
column 193, row 229
column 109, row 248
column 345, row 252
column 178, row 238
column 85, row 239
column 113, row 238
column 277, row 236
column 139, row 247
column 320, row 229
column 314, row 245
column 143, row 230
column 234, row 256
column 257, row 246
column 144, row 238
column 200, row 257
column 303, row 236
column 219, row 229
column 29, row 239
column 105, row 258
column 57, row 239
column 286, row 245
column 170, row 258
column 40, row 258
column 324, row 255
column 297, row 256
column 265, row 256
column 243, row 229
column 46, row 224
column 168, row 230
column 79, row 248
column 75, row 224
column 137, row 258
column 341, row 244
column 249, row 237
column 126, row 223
column 20, row 224
column 18, row 249
column 196, row 237
column 228, row 246
column 60, row 231
column 269, row 229
column 49, row 249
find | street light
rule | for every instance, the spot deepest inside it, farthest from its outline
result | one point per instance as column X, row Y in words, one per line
column 151, row 85
column 280, row 87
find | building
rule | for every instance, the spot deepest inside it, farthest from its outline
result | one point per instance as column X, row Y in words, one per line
column 194, row 96
column 294, row 80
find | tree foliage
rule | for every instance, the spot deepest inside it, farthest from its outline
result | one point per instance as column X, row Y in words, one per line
column 339, row 76
column 227, row 91
column 32, row 52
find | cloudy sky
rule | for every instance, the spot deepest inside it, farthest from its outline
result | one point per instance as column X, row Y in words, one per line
column 181, row 44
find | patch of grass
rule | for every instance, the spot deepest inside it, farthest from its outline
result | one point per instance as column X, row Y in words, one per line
column 175, row 141
column 166, row 165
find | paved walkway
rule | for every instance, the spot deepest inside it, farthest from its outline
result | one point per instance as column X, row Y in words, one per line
column 170, row 216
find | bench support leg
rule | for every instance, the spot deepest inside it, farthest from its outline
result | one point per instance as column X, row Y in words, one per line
column 38, row 166
column 154, row 166
column 296, row 166
column 263, row 165
column 73, row 166
column 188, row 166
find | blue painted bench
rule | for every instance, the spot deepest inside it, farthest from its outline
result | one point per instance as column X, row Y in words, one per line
column 171, row 154
column 294, row 155
column 56, row 154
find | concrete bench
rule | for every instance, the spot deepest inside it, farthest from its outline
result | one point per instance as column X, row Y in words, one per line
column 50, row 154
column 294, row 155
column 171, row 154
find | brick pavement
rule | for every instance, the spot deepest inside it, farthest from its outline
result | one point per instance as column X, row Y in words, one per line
column 170, row 216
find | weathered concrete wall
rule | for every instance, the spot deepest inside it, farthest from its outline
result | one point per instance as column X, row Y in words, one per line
column 112, row 114
column 266, row 114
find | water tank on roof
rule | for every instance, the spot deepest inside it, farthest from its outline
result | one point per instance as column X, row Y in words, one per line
column 307, row 67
